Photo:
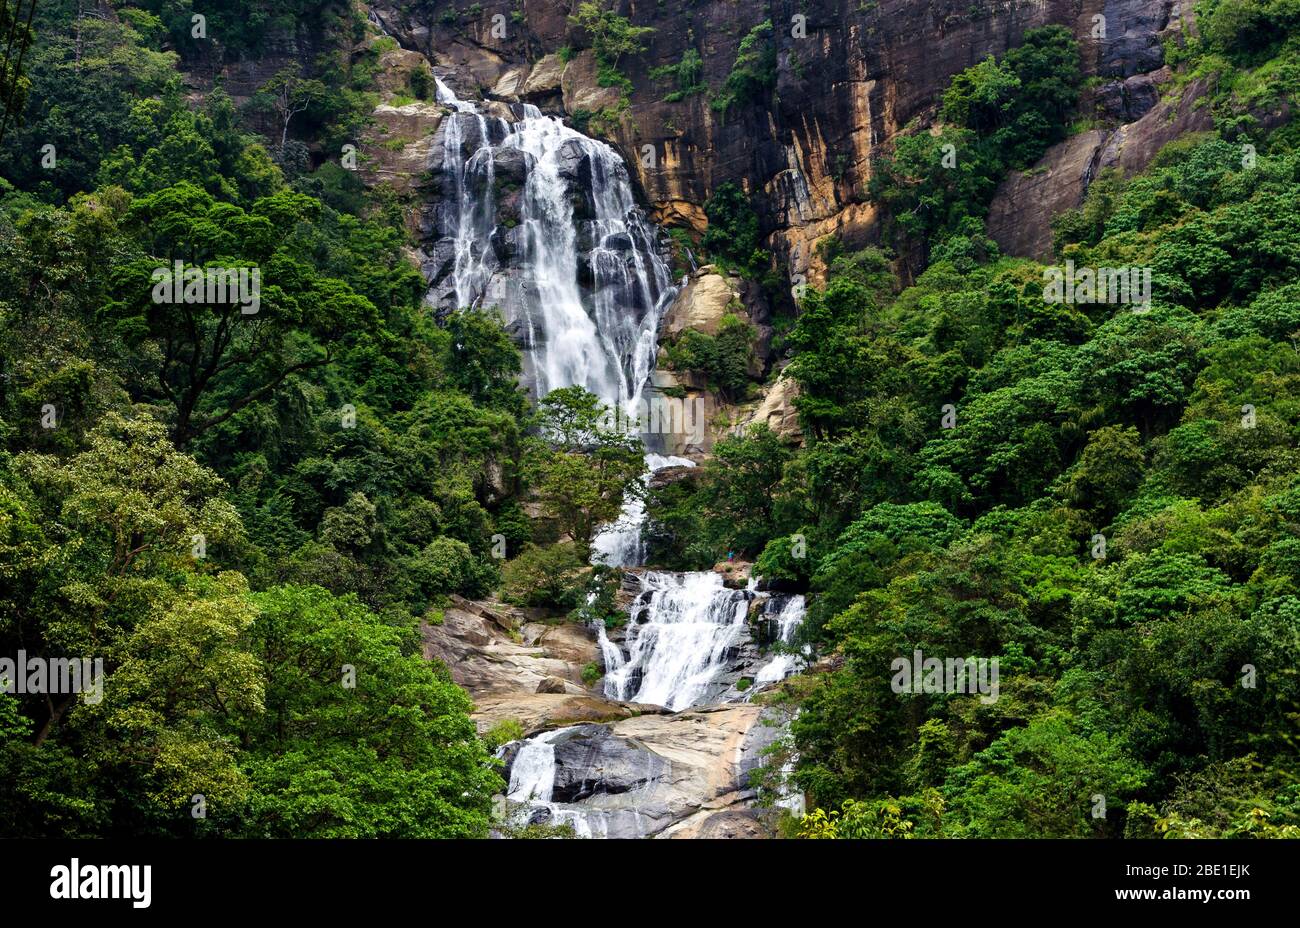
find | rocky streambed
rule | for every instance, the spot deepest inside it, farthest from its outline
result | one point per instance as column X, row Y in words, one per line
column 673, row 775
column 615, row 767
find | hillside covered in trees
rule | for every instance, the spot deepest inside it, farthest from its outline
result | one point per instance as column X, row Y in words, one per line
column 256, row 518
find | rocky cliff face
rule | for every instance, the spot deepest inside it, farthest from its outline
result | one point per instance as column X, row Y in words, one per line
column 851, row 75
column 1022, row 210
column 529, row 672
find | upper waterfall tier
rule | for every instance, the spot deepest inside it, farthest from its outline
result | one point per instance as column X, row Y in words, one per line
column 540, row 222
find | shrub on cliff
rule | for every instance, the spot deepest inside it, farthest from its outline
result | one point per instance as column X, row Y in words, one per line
column 722, row 359
column 998, row 115
column 732, row 236
column 687, row 74
column 753, row 75
column 612, row 37
column 551, row 576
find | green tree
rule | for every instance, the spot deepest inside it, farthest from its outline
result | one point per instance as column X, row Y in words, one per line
column 288, row 94
column 554, row 576
column 1040, row 781
column 612, row 35
column 741, row 492
column 733, row 229
column 298, row 315
column 584, row 466
column 359, row 737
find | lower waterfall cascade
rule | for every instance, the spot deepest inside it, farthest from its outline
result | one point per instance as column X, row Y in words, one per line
column 682, row 628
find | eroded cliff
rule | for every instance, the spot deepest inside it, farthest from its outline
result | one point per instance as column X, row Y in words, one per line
column 849, row 77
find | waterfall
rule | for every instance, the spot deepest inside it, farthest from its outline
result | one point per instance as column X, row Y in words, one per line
column 590, row 288
column 532, row 785
column 612, row 655
column 578, row 272
column 788, row 620
column 788, row 796
column 620, row 544
column 532, row 775
column 541, row 223
column 473, row 179
column 682, row 632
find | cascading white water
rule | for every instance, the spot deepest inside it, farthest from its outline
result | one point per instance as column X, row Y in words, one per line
column 591, row 290
column 597, row 329
column 532, row 775
column 578, row 273
column 474, row 212
column 788, row 621
column 532, row 784
column 620, row 543
column 680, row 635
column 788, row 795
column 612, row 656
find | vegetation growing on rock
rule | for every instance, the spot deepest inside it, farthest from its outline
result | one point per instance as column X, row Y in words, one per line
column 255, row 518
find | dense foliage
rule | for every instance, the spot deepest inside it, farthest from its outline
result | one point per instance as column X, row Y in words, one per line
column 753, row 75
column 249, row 516
column 997, row 115
column 1102, row 498
column 246, row 514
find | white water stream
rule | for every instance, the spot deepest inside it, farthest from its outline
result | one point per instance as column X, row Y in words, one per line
column 588, row 293
column 590, row 314
column 785, row 663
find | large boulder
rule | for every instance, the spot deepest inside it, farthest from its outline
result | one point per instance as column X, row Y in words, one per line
column 1130, row 99
column 701, row 304
column 510, row 83
column 511, row 166
column 660, row 775
column 591, row 757
column 484, row 647
column 777, row 411
column 1020, row 217
column 581, row 86
column 545, row 77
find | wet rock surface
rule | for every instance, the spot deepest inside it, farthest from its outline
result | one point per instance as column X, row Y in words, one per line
column 621, row 769
column 681, row 775
column 1021, row 214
